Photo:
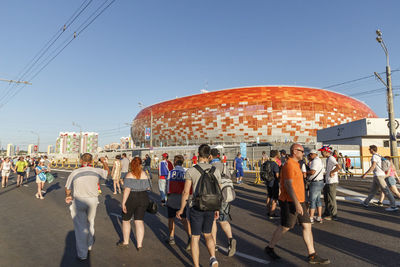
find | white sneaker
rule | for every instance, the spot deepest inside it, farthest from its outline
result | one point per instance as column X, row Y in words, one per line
column 392, row 209
column 312, row 219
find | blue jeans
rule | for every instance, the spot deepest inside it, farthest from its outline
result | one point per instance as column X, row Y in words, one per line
column 162, row 183
column 315, row 194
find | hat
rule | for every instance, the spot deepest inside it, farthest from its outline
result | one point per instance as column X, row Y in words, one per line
column 325, row 148
column 313, row 151
column 165, row 155
column 42, row 160
column 283, row 151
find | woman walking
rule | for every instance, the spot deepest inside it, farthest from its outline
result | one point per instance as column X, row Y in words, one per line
column 116, row 174
column 134, row 203
column 390, row 181
column 5, row 171
column 41, row 171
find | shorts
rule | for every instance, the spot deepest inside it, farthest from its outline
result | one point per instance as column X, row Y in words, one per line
column 172, row 213
column 224, row 212
column 38, row 181
column 239, row 173
column 21, row 173
column 201, row 221
column 390, row 181
column 136, row 206
column 28, row 170
column 289, row 217
column 5, row 173
column 273, row 191
column 123, row 175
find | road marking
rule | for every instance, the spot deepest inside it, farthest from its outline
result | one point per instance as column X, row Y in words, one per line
column 357, row 197
column 243, row 255
column 240, row 254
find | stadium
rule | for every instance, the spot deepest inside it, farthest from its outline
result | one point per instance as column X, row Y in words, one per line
column 247, row 114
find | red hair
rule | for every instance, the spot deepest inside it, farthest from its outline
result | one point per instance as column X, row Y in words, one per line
column 136, row 167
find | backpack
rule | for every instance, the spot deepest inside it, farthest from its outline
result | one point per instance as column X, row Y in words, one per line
column 267, row 173
column 228, row 191
column 385, row 164
column 208, row 196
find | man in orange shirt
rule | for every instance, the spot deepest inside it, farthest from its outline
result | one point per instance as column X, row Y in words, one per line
column 293, row 207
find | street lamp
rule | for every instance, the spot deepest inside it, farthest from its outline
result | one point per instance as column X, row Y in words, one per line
column 151, row 123
column 80, row 135
column 390, row 105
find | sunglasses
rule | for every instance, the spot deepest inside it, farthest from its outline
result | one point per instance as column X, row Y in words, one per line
column 302, row 151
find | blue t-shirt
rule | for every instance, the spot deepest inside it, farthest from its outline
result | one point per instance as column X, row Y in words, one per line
column 239, row 162
column 42, row 175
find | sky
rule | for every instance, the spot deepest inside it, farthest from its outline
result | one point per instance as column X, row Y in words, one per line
column 150, row 51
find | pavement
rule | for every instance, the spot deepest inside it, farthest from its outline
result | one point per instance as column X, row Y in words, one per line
column 40, row 232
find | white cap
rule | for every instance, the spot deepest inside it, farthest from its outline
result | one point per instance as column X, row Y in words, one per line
column 42, row 160
column 313, row 151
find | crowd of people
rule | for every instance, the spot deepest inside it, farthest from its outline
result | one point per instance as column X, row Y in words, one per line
column 199, row 196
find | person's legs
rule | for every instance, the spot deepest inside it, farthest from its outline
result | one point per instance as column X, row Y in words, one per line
column 126, row 231
column 139, row 230
column 332, row 200
column 115, row 186
column 161, row 187
column 214, row 231
column 308, row 238
column 39, row 190
column 326, row 190
column 186, row 226
column 194, row 244
column 171, row 227
column 210, row 244
column 373, row 190
column 386, row 191
column 91, row 214
column 3, row 181
column 395, row 191
column 277, row 235
column 226, row 227
column 79, row 217
column 382, row 197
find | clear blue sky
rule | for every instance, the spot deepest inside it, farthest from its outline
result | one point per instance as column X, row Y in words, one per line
column 155, row 50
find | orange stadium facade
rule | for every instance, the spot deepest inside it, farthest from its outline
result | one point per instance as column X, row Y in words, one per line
column 247, row 114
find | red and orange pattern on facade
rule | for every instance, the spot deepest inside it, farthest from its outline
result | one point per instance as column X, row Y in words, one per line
column 266, row 113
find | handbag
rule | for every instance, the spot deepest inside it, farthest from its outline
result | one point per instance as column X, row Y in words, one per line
column 49, row 178
column 152, row 208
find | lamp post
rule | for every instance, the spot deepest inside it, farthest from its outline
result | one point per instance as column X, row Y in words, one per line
column 80, row 136
column 151, row 123
column 390, row 106
column 38, row 140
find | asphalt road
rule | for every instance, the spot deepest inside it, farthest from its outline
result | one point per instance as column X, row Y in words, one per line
column 40, row 232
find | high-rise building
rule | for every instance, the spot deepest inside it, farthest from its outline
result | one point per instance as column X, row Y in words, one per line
column 10, row 150
column 72, row 142
column 50, row 149
column 30, row 149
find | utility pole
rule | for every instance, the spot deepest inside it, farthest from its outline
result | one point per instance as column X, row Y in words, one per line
column 390, row 105
column 151, row 128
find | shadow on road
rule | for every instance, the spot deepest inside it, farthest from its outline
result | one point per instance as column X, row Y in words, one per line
column 69, row 258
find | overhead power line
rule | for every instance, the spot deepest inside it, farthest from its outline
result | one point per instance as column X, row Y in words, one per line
column 67, row 42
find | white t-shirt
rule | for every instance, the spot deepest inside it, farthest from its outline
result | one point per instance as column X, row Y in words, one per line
column 317, row 166
column 378, row 169
column 330, row 165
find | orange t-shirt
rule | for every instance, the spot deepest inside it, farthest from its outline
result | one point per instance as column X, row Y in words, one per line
column 291, row 171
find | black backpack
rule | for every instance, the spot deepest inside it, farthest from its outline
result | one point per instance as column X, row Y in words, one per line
column 267, row 173
column 208, row 195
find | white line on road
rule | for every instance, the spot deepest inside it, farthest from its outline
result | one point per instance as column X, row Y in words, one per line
column 240, row 254
column 356, row 196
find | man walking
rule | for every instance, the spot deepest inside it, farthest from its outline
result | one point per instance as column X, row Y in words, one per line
column 378, row 180
column 147, row 165
column 271, row 168
column 331, row 182
column 224, row 212
column 164, row 169
column 124, row 167
column 293, row 207
column 200, row 221
column 20, row 168
column 83, row 182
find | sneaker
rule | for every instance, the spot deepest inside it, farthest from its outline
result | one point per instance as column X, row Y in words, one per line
column 392, row 209
column 335, row 218
column 274, row 216
column 318, row 219
column 122, row 245
column 378, row 203
column 232, row 247
column 213, row 262
column 312, row 220
column 365, row 204
column 271, row 253
column 315, row 259
column 170, row 240
column 216, row 247
column 328, row 218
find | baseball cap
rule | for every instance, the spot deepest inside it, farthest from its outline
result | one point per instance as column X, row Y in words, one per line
column 313, row 151
column 325, row 148
column 164, row 155
column 283, row 151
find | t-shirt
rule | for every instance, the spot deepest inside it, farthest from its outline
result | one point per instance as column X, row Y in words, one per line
column 194, row 159
column 83, row 181
column 317, row 166
column 20, row 166
column 378, row 169
column 147, row 161
column 275, row 170
column 291, row 171
column 239, row 162
column 194, row 175
column 124, row 165
column 174, row 200
column 330, row 165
